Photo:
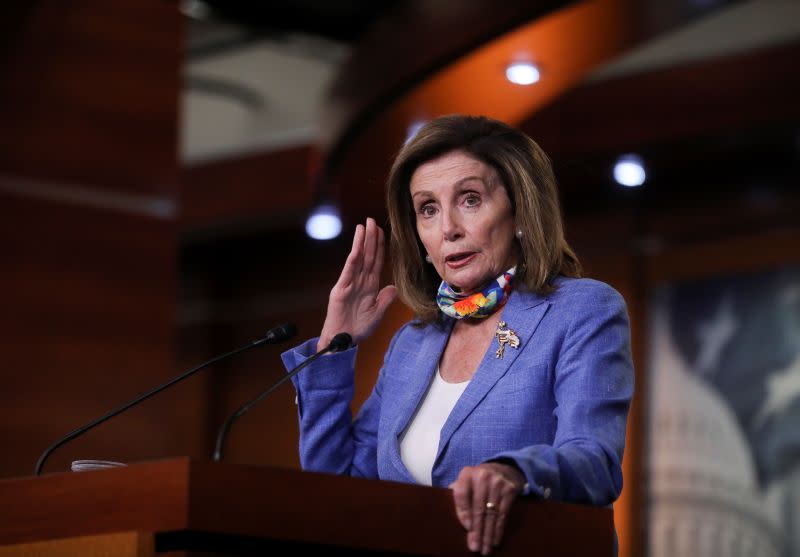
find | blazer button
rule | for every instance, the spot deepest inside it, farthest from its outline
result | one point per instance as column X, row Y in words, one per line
column 546, row 493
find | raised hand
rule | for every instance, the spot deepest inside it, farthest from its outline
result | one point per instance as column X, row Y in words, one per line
column 483, row 496
column 356, row 305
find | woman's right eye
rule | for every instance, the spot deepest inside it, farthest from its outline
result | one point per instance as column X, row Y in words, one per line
column 427, row 210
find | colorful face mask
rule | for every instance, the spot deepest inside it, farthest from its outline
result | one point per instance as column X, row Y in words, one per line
column 479, row 305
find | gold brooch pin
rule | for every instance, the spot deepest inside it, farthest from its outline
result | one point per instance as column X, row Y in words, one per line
column 505, row 336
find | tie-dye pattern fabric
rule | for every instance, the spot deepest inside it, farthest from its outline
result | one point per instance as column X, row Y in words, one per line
column 477, row 304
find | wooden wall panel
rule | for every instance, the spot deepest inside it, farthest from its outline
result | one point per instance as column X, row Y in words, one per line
column 273, row 188
column 88, row 323
column 88, row 183
column 89, row 94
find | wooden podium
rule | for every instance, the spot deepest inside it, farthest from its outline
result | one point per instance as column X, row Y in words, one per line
column 188, row 507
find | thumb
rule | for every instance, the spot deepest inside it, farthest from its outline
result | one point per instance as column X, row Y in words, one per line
column 385, row 297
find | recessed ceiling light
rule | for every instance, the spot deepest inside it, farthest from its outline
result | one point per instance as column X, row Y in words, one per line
column 629, row 171
column 522, row 73
column 324, row 223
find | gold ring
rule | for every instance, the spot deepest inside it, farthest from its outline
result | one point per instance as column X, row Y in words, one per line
column 491, row 507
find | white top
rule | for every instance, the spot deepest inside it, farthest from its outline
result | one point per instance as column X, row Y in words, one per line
column 420, row 441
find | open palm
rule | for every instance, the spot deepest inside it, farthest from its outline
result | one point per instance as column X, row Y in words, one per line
column 356, row 304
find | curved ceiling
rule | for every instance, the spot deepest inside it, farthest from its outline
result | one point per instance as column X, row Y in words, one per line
column 355, row 98
column 258, row 81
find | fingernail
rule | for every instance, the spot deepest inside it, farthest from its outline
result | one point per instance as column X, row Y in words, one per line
column 473, row 545
column 486, row 550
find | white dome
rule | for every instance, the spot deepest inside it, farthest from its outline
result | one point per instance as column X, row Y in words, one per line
column 704, row 497
column 693, row 428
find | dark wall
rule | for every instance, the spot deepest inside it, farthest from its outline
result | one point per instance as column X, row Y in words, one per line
column 88, row 183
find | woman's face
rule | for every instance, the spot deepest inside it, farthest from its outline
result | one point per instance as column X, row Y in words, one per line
column 464, row 219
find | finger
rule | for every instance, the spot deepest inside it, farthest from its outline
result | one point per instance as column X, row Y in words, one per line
column 354, row 262
column 370, row 245
column 381, row 252
column 503, row 510
column 480, row 494
column 462, row 498
column 492, row 518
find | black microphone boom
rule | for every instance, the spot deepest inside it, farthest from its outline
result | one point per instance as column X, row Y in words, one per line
column 273, row 336
column 340, row 342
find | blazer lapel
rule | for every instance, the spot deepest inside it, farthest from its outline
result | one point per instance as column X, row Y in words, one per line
column 522, row 313
column 420, row 364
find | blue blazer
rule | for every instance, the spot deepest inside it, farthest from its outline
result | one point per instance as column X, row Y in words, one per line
column 556, row 406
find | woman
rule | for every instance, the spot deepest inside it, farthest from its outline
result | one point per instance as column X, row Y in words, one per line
column 514, row 379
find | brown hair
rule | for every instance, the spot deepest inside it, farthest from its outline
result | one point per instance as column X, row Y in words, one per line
column 527, row 176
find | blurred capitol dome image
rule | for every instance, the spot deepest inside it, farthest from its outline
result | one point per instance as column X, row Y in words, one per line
column 704, row 498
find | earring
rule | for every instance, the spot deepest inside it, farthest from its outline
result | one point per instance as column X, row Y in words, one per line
column 519, row 233
column 428, row 258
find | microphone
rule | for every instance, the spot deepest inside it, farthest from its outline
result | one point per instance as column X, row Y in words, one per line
column 273, row 336
column 340, row 342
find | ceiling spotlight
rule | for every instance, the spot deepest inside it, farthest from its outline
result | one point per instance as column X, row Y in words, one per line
column 629, row 171
column 522, row 73
column 324, row 223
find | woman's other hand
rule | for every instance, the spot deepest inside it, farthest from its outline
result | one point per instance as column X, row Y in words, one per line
column 483, row 496
column 355, row 305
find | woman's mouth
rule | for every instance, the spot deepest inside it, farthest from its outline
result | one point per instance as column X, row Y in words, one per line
column 458, row 260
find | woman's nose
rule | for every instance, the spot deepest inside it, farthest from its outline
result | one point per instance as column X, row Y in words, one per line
column 451, row 226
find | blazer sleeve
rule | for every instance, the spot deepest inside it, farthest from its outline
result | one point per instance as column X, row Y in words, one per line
column 593, row 387
column 330, row 440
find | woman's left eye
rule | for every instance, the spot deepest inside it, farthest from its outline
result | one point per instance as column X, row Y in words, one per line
column 472, row 200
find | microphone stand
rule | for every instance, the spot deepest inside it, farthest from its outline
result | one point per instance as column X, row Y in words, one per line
column 340, row 342
column 278, row 334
